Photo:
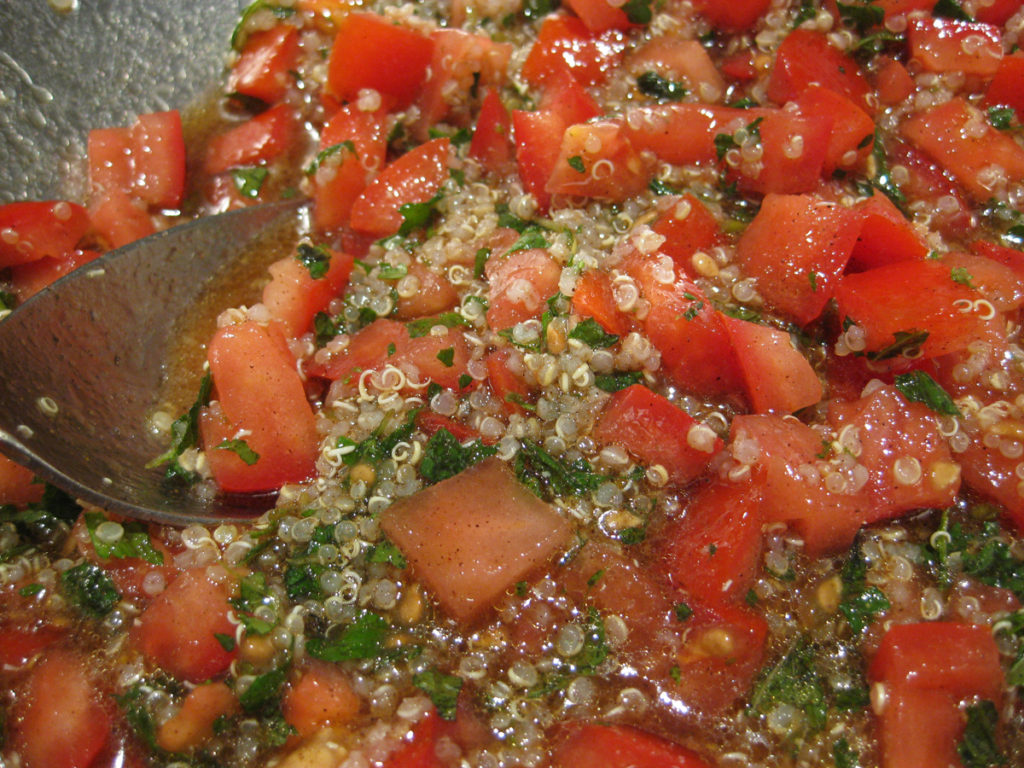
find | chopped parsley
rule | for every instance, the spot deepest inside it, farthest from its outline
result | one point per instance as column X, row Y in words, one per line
column 978, row 748
column 653, row 84
column 241, row 31
column 444, row 456
column 576, row 163
column 548, row 476
column 480, row 262
column 185, row 435
column 532, row 237
column 950, row 9
column 249, row 180
column 364, row 638
column 638, row 11
column 328, row 152
column 418, row 215
column 794, row 680
column 377, row 446
column 241, row 449
column 442, row 689
column 659, row 187
column 590, row 332
column 961, row 276
column 613, row 382
column 90, row 589
column 860, row 603
column 315, row 258
column 1001, row 118
column 905, row 343
column 919, row 387
column 423, row 326
column 134, row 542
column 386, row 552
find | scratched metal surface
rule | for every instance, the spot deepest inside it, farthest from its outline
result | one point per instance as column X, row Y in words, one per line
column 99, row 64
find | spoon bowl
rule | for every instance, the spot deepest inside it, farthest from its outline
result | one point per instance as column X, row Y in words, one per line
column 86, row 360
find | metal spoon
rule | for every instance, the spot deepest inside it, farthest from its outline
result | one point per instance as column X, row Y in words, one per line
column 83, row 362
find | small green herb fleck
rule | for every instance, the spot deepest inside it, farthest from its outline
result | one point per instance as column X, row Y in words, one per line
column 423, row 326
column 392, row 271
column 386, row 552
column 638, row 11
column 613, row 382
column 480, row 262
column 961, row 276
column 227, row 642
column 250, row 180
column 905, row 343
column 241, row 449
column 950, row 9
column 442, row 689
column 632, row 535
column 794, row 680
column 1001, row 118
column 417, row 215
column 844, row 755
column 364, row 638
column 531, row 238
column 328, row 152
column 134, row 542
column 31, row 589
column 185, row 435
column 576, row 163
column 683, row 611
column 590, row 332
column 447, row 356
column 978, row 748
column 89, row 589
column 659, row 187
column 653, row 84
column 444, row 456
column 919, row 387
column 315, row 258
column 595, row 577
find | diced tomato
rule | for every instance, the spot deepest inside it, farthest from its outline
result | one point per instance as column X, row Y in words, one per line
column 415, row 177
column 34, row 230
column 680, row 60
column 781, row 453
column 387, row 342
column 261, row 401
column 473, row 536
column 120, row 219
column 596, row 160
column 898, row 439
column 177, row 631
column 721, row 654
column 911, row 297
column 960, row 659
column 777, row 376
column 696, row 353
column 18, row 484
column 682, row 134
column 997, row 12
column 431, row 422
column 1004, row 89
column 688, row 226
column 194, row 722
column 492, row 140
column 919, row 727
column 565, row 42
column 110, row 162
column 258, row 140
column 713, row 550
column 509, row 388
column 294, row 296
column 998, row 282
column 61, row 722
column 738, row 15
column 805, row 58
column 1008, row 257
column 781, row 169
column 851, row 133
column 263, row 69
column 356, row 62
column 797, row 247
column 594, row 297
column 158, row 159
column 657, row 432
column 29, row 279
column 739, row 66
column 925, row 180
column 19, row 644
column 462, row 62
column 893, row 83
column 600, row 15
column 885, row 237
column 993, row 475
column 564, row 95
column 420, row 750
column 323, row 695
column 951, row 45
column 519, row 285
column 618, row 746
column 982, row 159
column 352, row 148
column 538, row 140
column 434, row 294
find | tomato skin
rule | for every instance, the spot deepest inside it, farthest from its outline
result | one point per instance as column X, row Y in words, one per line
column 491, row 144
column 564, row 42
column 258, row 140
column 18, row 484
column 885, row 236
column 19, row 645
column 650, row 427
column 519, row 285
column 618, row 746
column 682, row 134
column 939, row 133
column 1004, row 88
column 356, row 63
column 29, row 279
column 791, row 238
column 61, row 723
column 614, row 171
column 420, row 750
column 508, row 387
column 31, row 231
column 294, row 297
column 262, row 400
column 851, row 129
column 594, row 297
column 176, row 631
column 680, row 60
column 344, row 174
column 941, row 45
column 158, row 159
column 688, row 226
column 893, row 82
column 600, row 15
column 713, row 550
column 733, row 16
column 910, row 295
column 262, row 68
column 415, row 177
column 920, row 728
column 321, row 696
column 807, row 57
column 777, row 377
column 435, row 294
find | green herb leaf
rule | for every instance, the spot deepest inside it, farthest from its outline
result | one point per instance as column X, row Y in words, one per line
column 315, row 258
column 241, row 449
column 392, row 271
column 590, row 332
column 805, row 12
column 659, row 187
column 538, row 9
column 576, row 163
column 683, row 611
column 1001, row 118
column 632, row 535
column 444, row 456
column 638, row 11
column 422, row 327
column 227, row 642
column 480, row 262
column 328, row 152
column 134, row 542
column 844, row 755
column 530, row 238
column 723, row 143
column 185, row 434
column 446, row 356
column 548, row 476
column 861, row 16
column 325, row 328
column 653, row 84
column 90, row 589
column 919, row 387
column 613, row 382
column 442, row 689
column 978, row 748
column 241, row 31
column 302, row 581
column 961, row 276
column 950, row 9
column 364, row 638
column 386, row 552
column 250, row 180
column 417, row 215
column 794, row 680
column 264, row 693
